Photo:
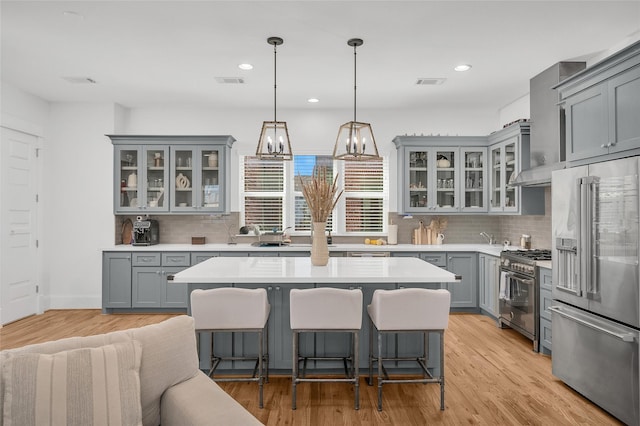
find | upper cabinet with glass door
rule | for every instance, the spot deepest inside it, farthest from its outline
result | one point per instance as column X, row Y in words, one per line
column 441, row 174
column 508, row 155
column 140, row 176
column 171, row 174
column 196, row 173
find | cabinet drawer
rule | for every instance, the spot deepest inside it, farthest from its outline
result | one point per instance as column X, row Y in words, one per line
column 145, row 259
column 201, row 256
column 546, row 300
column 176, row 259
column 545, row 279
column 438, row 259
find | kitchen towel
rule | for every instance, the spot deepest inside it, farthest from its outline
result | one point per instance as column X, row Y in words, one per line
column 504, row 286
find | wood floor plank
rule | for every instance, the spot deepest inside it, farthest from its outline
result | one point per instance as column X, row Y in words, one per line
column 492, row 377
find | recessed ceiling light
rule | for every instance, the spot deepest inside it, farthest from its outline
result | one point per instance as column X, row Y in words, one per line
column 72, row 15
column 245, row 67
column 463, row 67
column 313, row 100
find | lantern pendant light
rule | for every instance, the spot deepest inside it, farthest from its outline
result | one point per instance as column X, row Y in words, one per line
column 274, row 138
column 355, row 140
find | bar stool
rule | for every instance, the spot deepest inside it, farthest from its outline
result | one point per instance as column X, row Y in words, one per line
column 326, row 309
column 231, row 309
column 408, row 310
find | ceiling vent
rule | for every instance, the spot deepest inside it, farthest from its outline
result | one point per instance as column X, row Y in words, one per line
column 80, row 80
column 230, row 80
column 430, row 81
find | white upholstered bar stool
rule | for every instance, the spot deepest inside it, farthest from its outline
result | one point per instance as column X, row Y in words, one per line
column 408, row 310
column 326, row 309
column 231, row 309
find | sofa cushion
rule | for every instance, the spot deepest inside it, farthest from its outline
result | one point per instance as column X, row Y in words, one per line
column 169, row 357
column 89, row 386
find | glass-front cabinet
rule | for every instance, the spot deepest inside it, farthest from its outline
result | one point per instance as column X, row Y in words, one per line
column 474, row 196
column 508, row 155
column 140, row 179
column 171, row 174
column 441, row 174
column 504, row 169
column 196, row 173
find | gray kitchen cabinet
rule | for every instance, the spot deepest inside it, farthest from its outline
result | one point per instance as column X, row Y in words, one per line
column 171, row 174
column 438, row 259
column 488, row 282
column 602, row 106
column 140, row 178
column 464, row 294
column 508, row 155
column 116, row 280
column 441, row 174
column 197, row 172
column 149, row 285
column 546, row 300
column 201, row 256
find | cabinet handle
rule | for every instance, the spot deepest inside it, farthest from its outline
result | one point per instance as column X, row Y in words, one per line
column 277, row 288
column 450, row 258
column 157, row 272
column 612, row 143
column 269, row 288
column 603, row 145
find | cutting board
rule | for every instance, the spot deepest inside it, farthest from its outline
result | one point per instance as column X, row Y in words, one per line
column 127, row 229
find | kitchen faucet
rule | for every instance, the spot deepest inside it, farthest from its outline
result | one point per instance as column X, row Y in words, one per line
column 490, row 238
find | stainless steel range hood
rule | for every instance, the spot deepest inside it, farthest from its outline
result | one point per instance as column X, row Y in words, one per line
column 547, row 125
column 537, row 176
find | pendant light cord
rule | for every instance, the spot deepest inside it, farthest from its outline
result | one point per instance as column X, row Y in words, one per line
column 275, row 86
column 354, row 82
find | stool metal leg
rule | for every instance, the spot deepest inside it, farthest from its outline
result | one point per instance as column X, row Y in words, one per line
column 379, row 371
column 371, row 332
column 442, row 370
column 260, row 367
column 294, row 370
column 356, row 364
column 426, row 353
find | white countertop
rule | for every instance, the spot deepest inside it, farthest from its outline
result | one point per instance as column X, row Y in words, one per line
column 493, row 250
column 353, row 270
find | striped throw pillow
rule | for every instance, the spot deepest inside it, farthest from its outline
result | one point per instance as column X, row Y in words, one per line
column 88, row 386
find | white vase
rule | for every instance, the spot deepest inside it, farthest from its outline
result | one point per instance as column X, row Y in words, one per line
column 319, row 247
column 213, row 159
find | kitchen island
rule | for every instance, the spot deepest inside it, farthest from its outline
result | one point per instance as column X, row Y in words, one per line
column 278, row 275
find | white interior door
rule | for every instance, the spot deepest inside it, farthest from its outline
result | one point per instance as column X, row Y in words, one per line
column 19, row 261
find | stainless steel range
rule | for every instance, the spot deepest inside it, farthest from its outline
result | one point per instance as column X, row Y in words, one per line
column 519, row 291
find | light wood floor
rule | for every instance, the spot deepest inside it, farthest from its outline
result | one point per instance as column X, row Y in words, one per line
column 492, row 377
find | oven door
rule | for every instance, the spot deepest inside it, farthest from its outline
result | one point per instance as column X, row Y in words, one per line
column 517, row 302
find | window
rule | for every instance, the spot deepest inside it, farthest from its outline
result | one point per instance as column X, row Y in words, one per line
column 272, row 197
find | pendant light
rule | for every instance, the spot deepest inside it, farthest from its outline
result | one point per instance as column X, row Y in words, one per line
column 274, row 138
column 355, row 140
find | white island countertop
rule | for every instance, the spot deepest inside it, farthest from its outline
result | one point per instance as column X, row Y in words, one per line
column 346, row 270
column 493, row 250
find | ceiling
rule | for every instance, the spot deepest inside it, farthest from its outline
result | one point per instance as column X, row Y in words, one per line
column 142, row 53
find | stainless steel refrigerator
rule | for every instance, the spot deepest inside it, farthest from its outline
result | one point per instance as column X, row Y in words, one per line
column 596, row 281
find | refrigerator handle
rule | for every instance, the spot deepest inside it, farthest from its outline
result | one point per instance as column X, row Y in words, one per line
column 591, row 284
column 625, row 337
column 585, row 246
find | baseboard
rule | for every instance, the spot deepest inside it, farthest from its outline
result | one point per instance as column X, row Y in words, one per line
column 75, row 302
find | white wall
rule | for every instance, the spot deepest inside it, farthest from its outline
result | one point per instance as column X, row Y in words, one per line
column 77, row 176
column 311, row 130
column 78, row 191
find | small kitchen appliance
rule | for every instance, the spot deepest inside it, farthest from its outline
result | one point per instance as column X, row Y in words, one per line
column 146, row 232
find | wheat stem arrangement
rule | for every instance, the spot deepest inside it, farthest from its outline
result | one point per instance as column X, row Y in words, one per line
column 320, row 195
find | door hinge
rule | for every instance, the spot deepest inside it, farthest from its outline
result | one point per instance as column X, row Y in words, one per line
column 37, row 243
column 37, row 288
column 37, row 152
column 37, row 198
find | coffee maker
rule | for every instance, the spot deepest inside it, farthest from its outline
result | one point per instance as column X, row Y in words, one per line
column 146, row 232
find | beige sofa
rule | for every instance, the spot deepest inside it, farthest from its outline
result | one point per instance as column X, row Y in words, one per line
column 147, row 375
